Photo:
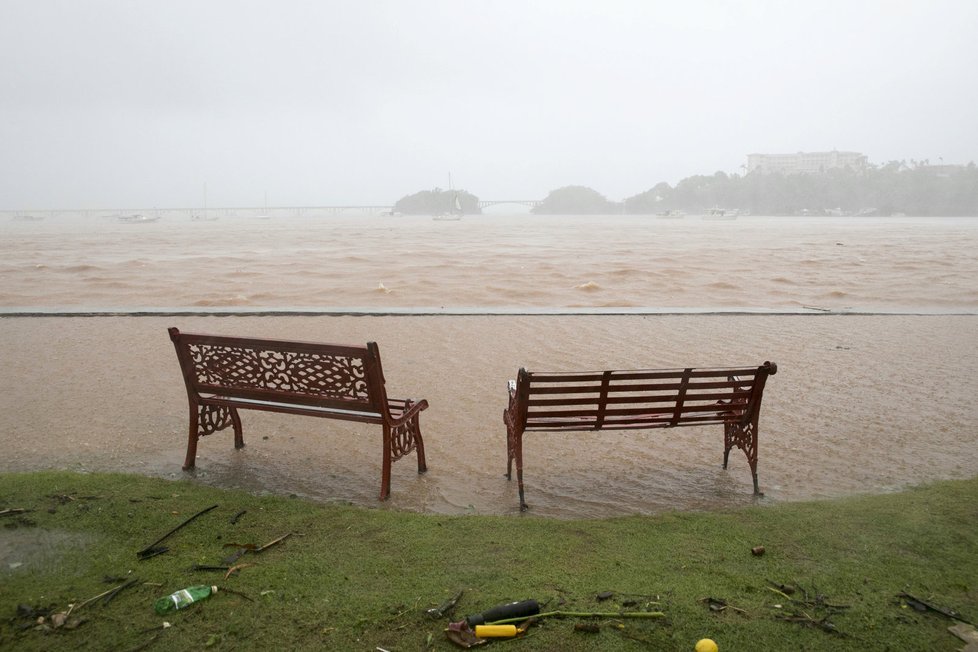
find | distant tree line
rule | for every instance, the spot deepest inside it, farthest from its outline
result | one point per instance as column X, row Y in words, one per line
column 918, row 189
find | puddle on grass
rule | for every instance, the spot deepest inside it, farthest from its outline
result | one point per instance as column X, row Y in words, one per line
column 23, row 548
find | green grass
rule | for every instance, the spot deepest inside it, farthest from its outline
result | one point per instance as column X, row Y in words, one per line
column 352, row 578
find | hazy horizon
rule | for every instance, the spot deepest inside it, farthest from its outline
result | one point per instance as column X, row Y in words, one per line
column 110, row 103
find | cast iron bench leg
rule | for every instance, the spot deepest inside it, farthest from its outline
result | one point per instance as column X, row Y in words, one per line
column 418, row 443
column 518, row 451
column 744, row 438
column 191, row 460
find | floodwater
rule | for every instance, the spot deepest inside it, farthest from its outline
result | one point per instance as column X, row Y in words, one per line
column 872, row 322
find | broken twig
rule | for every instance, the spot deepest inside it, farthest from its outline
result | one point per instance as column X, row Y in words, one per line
column 250, row 547
column 206, row 567
column 924, row 605
column 235, row 569
column 117, row 590
column 152, row 550
column 803, row 618
column 237, row 593
column 111, row 593
column 446, row 607
column 719, row 604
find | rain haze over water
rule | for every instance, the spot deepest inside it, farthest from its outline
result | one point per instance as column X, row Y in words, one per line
column 110, row 103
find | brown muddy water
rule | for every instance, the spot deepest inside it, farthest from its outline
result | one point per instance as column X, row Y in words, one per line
column 861, row 402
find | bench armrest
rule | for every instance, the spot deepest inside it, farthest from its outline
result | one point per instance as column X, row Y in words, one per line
column 410, row 410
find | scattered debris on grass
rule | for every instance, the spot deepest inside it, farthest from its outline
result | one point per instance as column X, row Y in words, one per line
column 209, row 567
column 784, row 589
column 240, row 594
column 803, row 618
column 811, row 611
column 719, row 604
column 236, row 569
column 250, row 547
column 514, row 619
column 587, row 628
column 154, row 548
column 117, row 590
column 105, row 595
column 446, row 608
column 925, row 605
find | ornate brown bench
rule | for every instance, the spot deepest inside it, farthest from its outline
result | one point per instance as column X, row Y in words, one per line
column 225, row 374
column 639, row 400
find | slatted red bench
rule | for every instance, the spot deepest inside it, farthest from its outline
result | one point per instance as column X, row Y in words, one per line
column 637, row 400
column 226, row 374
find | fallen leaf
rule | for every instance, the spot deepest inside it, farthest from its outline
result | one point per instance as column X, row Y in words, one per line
column 235, row 569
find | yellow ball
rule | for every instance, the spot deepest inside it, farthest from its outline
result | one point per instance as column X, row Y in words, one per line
column 706, row 645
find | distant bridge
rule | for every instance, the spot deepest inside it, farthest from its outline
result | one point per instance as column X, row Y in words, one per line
column 532, row 203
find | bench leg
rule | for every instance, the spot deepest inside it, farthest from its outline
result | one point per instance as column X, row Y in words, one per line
column 191, row 459
column 236, row 422
column 743, row 437
column 385, row 467
column 511, row 438
column 514, row 451
column 418, row 443
column 399, row 441
column 518, row 454
column 207, row 419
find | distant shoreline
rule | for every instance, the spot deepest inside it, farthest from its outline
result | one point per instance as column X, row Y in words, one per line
column 463, row 312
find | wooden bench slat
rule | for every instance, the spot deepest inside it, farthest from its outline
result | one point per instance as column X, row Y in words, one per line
column 620, row 388
column 652, row 413
column 639, row 374
column 586, row 424
column 292, row 408
column 314, row 400
column 645, row 398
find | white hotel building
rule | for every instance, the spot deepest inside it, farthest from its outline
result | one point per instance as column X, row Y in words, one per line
column 805, row 162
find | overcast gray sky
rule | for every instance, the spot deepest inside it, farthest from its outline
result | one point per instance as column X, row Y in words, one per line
column 114, row 103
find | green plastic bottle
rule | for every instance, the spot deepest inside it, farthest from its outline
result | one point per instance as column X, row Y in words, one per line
column 183, row 598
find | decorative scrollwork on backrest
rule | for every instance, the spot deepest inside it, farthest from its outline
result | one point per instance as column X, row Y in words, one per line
column 311, row 374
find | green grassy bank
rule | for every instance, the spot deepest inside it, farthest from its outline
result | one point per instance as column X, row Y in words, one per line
column 350, row 578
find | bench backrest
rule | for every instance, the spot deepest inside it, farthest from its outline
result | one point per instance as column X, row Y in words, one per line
column 639, row 399
column 330, row 376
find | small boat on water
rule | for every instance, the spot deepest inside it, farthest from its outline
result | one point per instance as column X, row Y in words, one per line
column 28, row 218
column 717, row 214
column 670, row 215
column 138, row 218
column 455, row 212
